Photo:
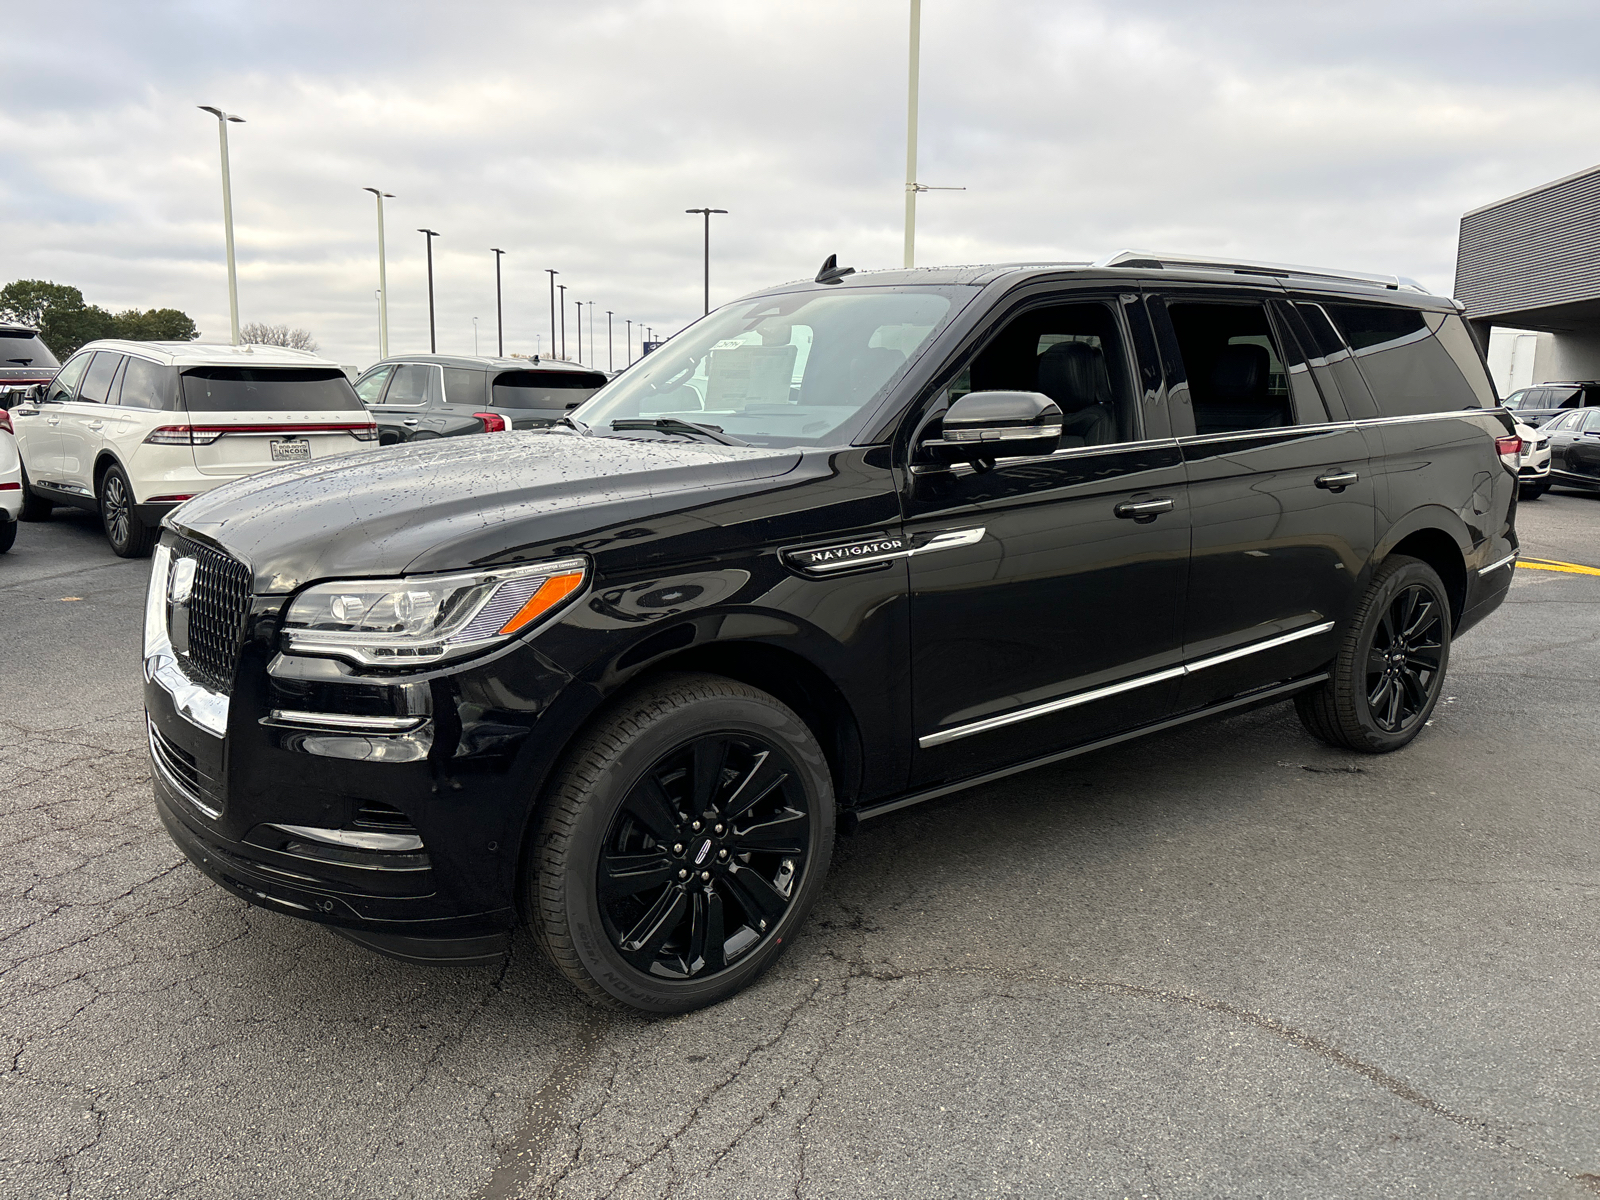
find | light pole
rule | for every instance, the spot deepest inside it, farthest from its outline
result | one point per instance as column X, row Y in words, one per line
column 706, row 212
column 227, row 213
column 499, row 315
column 630, row 343
column 611, row 358
column 552, row 275
column 383, row 278
column 474, row 337
column 433, row 339
column 912, row 186
column 579, row 304
column 562, row 288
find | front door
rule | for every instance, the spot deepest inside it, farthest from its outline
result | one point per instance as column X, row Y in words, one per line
column 1045, row 591
column 38, row 425
column 1280, row 492
column 1575, row 447
column 83, row 423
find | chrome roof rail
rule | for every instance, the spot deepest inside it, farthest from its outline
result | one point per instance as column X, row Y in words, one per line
column 1151, row 259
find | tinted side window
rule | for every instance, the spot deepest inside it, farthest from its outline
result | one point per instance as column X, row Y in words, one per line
column 370, row 386
column 1407, row 368
column 1237, row 378
column 463, row 387
column 149, row 385
column 410, row 384
column 1463, row 351
column 66, row 380
column 96, row 386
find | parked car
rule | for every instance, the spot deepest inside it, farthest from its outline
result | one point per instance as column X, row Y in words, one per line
column 1533, row 467
column 10, row 483
column 1536, row 405
column 1575, row 448
column 25, row 364
column 837, row 548
column 423, row 396
column 130, row 430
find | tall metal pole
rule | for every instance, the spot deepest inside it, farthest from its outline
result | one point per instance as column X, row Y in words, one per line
column 433, row 339
column 707, row 213
column 611, row 357
column 499, row 314
column 227, row 213
column 552, row 275
column 579, row 304
column 630, row 343
column 911, row 133
column 562, row 288
column 383, row 277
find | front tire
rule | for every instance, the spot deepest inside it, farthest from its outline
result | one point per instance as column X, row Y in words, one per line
column 1532, row 491
column 34, row 506
column 1390, row 668
column 129, row 536
column 683, row 841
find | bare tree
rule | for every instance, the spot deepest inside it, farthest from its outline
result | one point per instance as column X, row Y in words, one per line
column 258, row 333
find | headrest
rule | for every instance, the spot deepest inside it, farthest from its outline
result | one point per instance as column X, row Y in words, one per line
column 1073, row 374
column 1239, row 373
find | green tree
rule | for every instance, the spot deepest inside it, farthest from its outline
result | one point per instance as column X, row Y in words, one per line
column 155, row 325
column 65, row 322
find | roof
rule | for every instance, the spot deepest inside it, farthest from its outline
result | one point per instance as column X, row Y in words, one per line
column 486, row 362
column 206, row 354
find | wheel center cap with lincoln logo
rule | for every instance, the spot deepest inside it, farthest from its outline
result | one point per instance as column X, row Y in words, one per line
column 703, row 852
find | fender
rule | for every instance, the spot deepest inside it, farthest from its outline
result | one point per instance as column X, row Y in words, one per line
column 1429, row 516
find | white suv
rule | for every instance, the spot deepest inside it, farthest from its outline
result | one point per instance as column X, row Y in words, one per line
column 10, row 483
column 132, row 429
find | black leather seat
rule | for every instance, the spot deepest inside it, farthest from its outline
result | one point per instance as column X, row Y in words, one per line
column 1236, row 397
column 1074, row 375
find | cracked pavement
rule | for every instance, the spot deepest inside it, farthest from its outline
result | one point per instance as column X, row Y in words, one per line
column 1222, row 961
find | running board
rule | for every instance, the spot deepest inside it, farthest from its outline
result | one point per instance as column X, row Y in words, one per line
column 1261, row 695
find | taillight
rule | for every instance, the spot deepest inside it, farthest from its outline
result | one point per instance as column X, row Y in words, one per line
column 364, row 433
column 182, row 435
column 5, row 422
column 491, row 422
column 1509, row 448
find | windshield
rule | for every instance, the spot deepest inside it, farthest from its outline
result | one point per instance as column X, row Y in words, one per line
column 794, row 369
column 268, row 389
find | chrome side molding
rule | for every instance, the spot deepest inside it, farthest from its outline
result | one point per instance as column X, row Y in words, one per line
column 956, row 732
column 825, row 560
column 1500, row 562
column 343, row 722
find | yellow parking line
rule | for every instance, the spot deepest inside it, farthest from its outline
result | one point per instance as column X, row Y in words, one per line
column 1546, row 564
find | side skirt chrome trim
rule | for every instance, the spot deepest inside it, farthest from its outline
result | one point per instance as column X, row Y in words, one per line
column 1127, row 685
column 1278, row 691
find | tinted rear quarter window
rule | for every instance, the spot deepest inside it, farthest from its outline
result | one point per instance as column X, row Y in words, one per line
column 149, row 385
column 19, row 349
column 1407, row 368
column 544, row 389
column 268, row 389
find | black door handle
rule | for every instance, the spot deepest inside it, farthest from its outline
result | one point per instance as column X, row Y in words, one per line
column 1337, row 481
column 1143, row 511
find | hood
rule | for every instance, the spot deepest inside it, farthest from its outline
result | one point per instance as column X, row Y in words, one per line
column 453, row 502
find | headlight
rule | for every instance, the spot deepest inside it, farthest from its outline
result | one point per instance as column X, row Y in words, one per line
column 427, row 618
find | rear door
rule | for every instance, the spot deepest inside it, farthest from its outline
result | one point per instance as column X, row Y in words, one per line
column 1280, row 493
column 1575, row 447
column 249, row 419
column 412, row 404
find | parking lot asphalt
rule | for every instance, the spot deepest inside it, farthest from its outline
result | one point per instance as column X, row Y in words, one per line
column 1222, row 961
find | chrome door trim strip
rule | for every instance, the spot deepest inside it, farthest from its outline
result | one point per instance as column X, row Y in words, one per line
column 1498, row 563
column 1065, row 452
column 1200, row 439
column 1127, row 685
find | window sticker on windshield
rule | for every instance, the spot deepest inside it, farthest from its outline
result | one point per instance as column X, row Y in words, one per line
column 744, row 375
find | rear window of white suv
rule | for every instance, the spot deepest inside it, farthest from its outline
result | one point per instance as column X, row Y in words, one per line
column 266, row 389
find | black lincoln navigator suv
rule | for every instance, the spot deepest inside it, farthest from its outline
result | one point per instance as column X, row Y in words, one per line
column 839, row 547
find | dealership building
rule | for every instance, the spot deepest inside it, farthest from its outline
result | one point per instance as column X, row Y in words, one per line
column 1528, row 271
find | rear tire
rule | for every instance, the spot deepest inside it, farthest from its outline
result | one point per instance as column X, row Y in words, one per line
column 1390, row 668
column 8, row 535
column 129, row 536
column 1532, row 491
column 34, row 506
column 682, row 843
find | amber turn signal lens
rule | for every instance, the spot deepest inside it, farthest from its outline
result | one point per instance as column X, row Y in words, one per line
column 551, row 593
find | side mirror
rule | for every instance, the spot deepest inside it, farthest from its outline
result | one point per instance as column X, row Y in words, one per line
column 989, row 425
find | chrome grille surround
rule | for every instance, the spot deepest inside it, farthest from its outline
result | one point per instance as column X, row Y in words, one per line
column 218, row 606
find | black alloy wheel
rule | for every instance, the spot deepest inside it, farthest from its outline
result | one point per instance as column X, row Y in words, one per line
column 702, row 859
column 1390, row 667
column 129, row 536
column 680, row 845
column 1404, row 664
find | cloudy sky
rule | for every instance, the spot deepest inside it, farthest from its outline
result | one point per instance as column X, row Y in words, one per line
column 574, row 135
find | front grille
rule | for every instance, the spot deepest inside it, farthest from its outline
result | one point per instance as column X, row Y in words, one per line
column 217, row 610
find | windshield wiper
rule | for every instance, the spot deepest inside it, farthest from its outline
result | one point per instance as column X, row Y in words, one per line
column 675, row 425
column 24, row 361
